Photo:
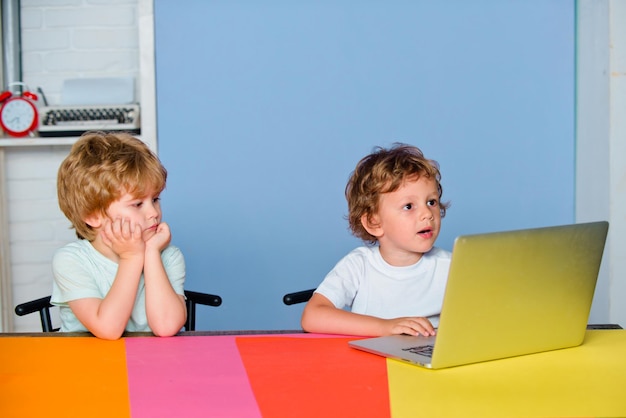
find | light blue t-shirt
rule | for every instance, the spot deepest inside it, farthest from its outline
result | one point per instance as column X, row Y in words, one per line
column 365, row 283
column 80, row 271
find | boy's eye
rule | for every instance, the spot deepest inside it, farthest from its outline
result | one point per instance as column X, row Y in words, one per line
column 432, row 202
column 408, row 206
column 156, row 199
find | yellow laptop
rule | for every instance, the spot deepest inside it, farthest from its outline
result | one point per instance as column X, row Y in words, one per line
column 508, row 294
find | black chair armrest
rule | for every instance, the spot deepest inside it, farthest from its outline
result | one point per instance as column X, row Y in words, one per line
column 41, row 305
column 298, row 297
column 33, row 306
column 203, row 298
column 198, row 298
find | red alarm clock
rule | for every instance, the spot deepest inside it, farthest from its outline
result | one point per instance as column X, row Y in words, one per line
column 18, row 114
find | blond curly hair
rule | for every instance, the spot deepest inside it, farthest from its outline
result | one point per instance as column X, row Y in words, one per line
column 99, row 169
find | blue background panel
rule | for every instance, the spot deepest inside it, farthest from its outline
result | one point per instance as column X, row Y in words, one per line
column 264, row 109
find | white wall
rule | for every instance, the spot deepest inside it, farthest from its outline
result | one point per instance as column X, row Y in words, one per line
column 60, row 39
column 67, row 39
column 601, row 143
column 36, row 225
column 617, row 146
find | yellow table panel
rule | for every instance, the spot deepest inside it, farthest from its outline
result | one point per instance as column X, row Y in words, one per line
column 589, row 380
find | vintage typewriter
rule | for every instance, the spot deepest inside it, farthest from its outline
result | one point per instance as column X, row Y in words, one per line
column 75, row 120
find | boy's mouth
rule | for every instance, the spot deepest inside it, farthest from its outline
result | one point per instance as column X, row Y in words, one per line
column 426, row 232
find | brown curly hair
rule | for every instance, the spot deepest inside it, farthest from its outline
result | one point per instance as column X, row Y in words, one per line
column 99, row 169
column 384, row 171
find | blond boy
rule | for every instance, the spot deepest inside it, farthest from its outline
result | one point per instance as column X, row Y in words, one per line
column 121, row 274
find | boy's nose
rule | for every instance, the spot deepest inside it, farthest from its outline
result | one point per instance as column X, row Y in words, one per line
column 425, row 214
column 153, row 211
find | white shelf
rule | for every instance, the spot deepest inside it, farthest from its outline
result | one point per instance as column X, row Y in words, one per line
column 40, row 141
column 36, row 141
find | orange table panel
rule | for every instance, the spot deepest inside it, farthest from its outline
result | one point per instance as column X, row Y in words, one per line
column 69, row 377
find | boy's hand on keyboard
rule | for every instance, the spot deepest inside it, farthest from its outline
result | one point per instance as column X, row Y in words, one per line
column 410, row 326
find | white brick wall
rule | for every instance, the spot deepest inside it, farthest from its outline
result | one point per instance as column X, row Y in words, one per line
column 36, row 225
column 64, row 39
column 61, row 39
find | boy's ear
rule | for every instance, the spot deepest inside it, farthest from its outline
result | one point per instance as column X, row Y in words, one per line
column 372, row 225
column 94, row 220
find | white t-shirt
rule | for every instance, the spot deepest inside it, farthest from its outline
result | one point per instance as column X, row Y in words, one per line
column 80, row 271
column 365, row 283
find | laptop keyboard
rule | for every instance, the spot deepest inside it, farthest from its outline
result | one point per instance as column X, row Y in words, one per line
column 422, row 350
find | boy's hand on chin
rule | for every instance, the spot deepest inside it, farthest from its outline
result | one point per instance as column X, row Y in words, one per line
column 123, row 237
column 160, row 238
